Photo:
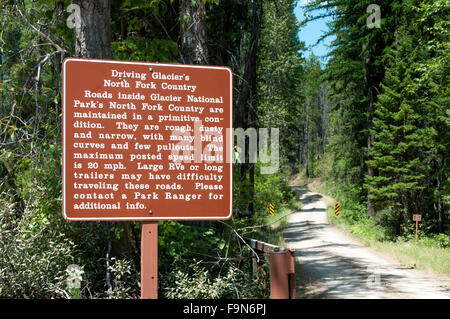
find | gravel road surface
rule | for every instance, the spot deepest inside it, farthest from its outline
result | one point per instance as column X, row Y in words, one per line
column 333, row 265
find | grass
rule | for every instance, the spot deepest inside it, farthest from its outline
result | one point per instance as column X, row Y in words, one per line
column 422, row 256
column 429, row 259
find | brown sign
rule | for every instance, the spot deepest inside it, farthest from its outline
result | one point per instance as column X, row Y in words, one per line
column 145, row 141
column 417, row 217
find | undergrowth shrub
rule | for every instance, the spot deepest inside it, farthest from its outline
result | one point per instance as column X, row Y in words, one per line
column 33, row 256
column 200, row 283
column 196, row 262
column 368, row 229
column 435, row 240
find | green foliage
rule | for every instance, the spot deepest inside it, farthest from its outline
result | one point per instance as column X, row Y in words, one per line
column 38, row 244
column 279, row 75
column 435, row 240
column 313, row 122
column 185, row 243
column 402, row 141
column 192, row 264
column 34, row 256
column 140, row 49
column 387, row 138
column 368, row 229
column 197, row 283
column 272, row 188
column 124, row 277
column 410, row 130
column 323, row 115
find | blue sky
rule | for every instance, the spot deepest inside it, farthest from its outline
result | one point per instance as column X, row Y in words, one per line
column 312, row 32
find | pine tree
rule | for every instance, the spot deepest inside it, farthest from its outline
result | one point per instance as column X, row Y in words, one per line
column 403, row 139
column 280, row 75
column 313, row 117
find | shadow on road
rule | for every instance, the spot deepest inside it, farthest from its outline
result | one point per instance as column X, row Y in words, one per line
column 306, row 199
column 324, row 272
column 329, row 275
column 332, row 276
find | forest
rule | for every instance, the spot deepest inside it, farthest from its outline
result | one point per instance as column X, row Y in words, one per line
column 372, row 123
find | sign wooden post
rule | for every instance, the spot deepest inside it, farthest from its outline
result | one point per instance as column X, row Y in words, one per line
column 417, row 218
column 146, row 142
column 149, row 260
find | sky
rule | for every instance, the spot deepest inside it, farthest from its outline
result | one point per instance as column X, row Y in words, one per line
column 312, row 32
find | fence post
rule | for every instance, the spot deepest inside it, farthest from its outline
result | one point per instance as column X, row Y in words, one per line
column 282, row 274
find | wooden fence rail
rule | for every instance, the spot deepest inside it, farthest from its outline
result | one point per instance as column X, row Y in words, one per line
column 281, row 264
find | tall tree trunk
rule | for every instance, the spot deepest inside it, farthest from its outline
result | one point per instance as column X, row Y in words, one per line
column 93, row 40
column 253, row 107
column 194, row 48
column 242, row 103
column 194, row 44
column 439, row 205
column 93, row 35
column 300, row 143
column 370, row 172
column 248, row 94
column 370, row 111
column 307, row 136
column 323, row 118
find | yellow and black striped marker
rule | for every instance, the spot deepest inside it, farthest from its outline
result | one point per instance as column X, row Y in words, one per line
column 271, row 209
column 337, row 208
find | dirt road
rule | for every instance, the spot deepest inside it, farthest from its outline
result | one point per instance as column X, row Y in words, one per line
column 333, row 265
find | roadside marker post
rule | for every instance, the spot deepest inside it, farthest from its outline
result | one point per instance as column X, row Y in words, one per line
column 146, row 142
column 337, row 208
column 271, row 209
column 417, row 218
